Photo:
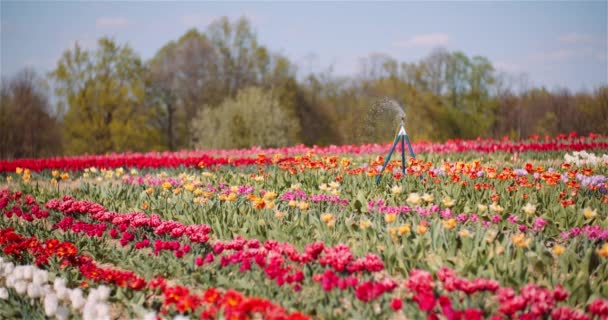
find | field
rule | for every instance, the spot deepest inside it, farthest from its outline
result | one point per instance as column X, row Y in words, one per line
column 472, row 230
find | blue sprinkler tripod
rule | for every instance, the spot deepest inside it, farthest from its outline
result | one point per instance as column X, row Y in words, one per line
column 401, row 136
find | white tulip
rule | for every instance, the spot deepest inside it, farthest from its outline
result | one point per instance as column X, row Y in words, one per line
column 88, row 312
column 103, row 292
column 40, row 277
column 9, row 268
column 34, row 291
column 18, row 272
column 3, row 293
column 10, row 281
column 47, row 289
column 20, row 286
column 150, row 316
column 50, row 305
column 62, row 293
column 102, row 310
column 58, row 283
column 62, row 313
column 28, row 272
column 76, row 298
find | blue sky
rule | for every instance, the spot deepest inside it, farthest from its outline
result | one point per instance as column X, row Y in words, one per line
column 554, row 43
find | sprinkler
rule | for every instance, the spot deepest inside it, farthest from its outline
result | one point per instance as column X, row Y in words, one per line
column 403, row 138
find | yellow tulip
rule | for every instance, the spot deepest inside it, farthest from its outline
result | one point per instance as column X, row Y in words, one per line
column 603, row 252
column 404, row 229
column 449, row 224
column 389, row 218
column 588, row 213
column 364, row 224
column 303, row 205
column 448, row 202
column 421, row 230
column 428, row 197
column 520, row 240
column 231, row 196
column 464, row 233
column 327, row 217
column 396, row 190
column 270, row 195
column 558, row 249
column 529, row 208
column 413, row 199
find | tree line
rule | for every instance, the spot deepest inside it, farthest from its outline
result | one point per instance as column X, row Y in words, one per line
column 221, row 88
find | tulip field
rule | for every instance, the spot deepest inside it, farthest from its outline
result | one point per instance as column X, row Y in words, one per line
column 473, row 229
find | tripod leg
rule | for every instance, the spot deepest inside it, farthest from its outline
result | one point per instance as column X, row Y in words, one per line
column 388, row 158
column 403, row 154
column 409, row 145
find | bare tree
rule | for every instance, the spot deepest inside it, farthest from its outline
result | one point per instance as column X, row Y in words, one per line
column 27, row 126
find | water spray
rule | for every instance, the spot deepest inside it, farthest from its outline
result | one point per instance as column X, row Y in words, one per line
column 403, row 138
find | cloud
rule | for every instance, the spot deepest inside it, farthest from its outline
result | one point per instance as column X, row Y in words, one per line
column 196, row 20
column 562, row 54
column 112, row 22
column 579, row 38
column 30, row 62
column 574, row 46
column 39, row 63
column 428, row 40
column 203, row 20
column 508, row 67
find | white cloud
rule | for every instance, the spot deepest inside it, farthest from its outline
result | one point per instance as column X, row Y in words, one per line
column 562, row 54
column 573, row 46
column 203, row 20
column 508, row 67
column 30, row 62
column 579, row 38
column 45, row 64
column 112, row 22
column 428, row 40
column 196, row 20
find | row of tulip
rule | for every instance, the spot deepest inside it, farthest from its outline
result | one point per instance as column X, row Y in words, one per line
column 339, row 258
column 492, row 234
column 175, row 298
column 58, row 300
column 256, row 155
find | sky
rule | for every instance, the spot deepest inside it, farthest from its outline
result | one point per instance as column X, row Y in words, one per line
column 553, row 44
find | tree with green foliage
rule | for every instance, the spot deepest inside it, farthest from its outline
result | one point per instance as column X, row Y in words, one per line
column 181, row 78
column 253, row 118
column 242, row 61
column 228, row 89
column 102, row 93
